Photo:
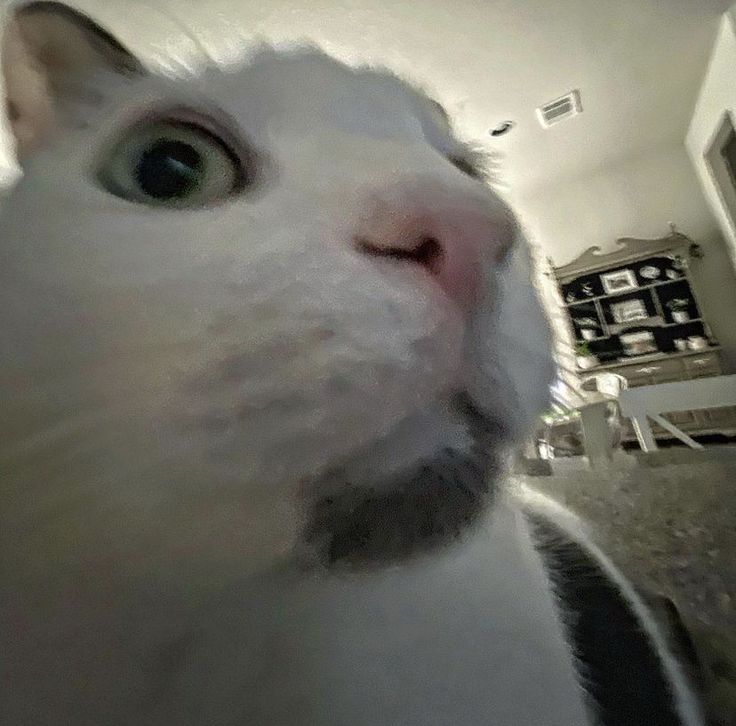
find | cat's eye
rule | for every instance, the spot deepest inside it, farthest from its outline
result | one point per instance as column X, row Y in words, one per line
column 172, row 163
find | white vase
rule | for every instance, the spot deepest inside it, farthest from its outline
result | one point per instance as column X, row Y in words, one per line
column 680, row 316
column 587, row 361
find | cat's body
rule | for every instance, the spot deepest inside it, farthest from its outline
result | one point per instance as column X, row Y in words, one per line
column 251, row 423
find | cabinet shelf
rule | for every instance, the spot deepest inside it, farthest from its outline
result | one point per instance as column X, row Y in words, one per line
column 608, row 296
column 649, row 358
column 651, row 322
column 687, row 322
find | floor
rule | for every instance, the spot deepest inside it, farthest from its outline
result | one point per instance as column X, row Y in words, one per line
column 668, row 520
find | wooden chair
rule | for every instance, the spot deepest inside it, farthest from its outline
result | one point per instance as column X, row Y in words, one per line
column 599, row 418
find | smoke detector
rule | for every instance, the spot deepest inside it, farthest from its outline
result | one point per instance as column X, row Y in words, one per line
column 561, row 108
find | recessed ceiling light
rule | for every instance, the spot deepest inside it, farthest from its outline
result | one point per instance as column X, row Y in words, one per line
column 503, row 128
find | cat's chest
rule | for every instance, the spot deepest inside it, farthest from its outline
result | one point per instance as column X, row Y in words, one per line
column 465, row 638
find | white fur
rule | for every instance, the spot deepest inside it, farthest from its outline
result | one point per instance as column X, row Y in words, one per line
column 172, row 377
column 466, row 636
column 251, row 336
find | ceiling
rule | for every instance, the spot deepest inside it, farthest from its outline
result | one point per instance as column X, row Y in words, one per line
column 637, row 63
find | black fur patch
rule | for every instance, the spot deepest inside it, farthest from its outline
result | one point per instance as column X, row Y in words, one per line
column 423, row 508
column 617, row 662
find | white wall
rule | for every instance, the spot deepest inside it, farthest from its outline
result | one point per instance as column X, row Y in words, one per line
column 639, row 197
column 636, row 197
column 717, row 96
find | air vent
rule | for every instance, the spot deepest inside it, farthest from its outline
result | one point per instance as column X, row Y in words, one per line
column 561, row 108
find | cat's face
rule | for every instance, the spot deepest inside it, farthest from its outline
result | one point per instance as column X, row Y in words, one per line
column 238, row 258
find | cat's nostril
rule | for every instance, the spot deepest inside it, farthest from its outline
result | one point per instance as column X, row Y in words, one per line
column 427, row 252
column 448, row 233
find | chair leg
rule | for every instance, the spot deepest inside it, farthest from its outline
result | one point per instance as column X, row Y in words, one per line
column 596, row 433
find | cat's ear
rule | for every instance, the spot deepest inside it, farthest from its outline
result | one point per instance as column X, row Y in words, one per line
column 47, row 51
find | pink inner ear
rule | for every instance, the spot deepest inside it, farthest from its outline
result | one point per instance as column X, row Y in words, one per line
column 28, row 102
column 43, row 46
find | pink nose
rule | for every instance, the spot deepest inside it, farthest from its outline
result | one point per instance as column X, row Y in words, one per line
column 453, row 234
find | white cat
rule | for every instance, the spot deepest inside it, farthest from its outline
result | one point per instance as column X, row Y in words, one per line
column 265, row 338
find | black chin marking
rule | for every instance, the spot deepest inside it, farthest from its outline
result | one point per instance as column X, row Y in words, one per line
column 12, row 111
column 421, row 509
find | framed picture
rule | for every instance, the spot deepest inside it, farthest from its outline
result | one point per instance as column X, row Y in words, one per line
column 619, row 281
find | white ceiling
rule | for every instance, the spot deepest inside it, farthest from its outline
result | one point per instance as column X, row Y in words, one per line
column 638, row 63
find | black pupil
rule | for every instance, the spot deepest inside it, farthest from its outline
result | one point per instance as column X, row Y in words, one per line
column 169, row 169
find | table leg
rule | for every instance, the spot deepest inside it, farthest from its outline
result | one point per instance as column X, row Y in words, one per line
column 644, row 431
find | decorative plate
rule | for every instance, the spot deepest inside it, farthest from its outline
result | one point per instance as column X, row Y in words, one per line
column 650, row 272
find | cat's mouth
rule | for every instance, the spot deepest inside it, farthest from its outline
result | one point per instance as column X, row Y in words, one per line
column 426, row 253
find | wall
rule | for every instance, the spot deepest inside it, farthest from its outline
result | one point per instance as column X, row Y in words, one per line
column 717, row 96
column 639, row 197
column 635, row 197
